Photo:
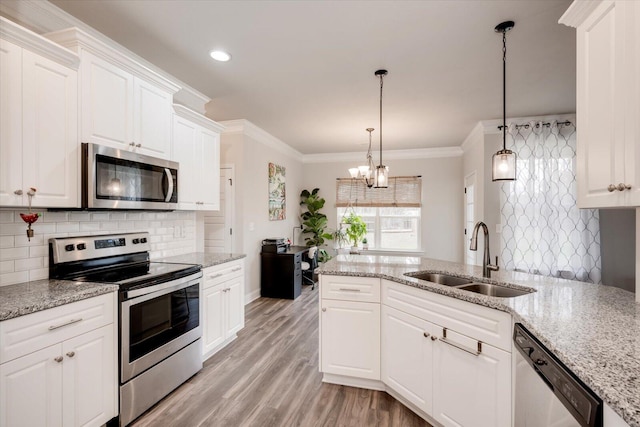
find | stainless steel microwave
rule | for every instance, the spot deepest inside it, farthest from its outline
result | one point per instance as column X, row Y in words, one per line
column 119, row 179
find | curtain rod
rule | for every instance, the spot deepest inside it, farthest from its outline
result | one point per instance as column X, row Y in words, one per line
column 538, row 124
column 391, row 177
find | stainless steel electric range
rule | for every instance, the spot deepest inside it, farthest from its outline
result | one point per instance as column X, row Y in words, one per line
column 159, row 329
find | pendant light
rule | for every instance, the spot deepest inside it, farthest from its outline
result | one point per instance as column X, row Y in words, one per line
column 504, row 161
column 382, row 172
column 365, row 172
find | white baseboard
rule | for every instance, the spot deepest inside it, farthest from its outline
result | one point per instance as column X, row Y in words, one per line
column 353, row 382
column 252, row 296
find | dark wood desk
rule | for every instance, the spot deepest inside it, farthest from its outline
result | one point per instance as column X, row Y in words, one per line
column 281, row 273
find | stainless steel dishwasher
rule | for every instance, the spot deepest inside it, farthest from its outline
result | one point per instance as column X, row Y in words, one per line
column 547, row 393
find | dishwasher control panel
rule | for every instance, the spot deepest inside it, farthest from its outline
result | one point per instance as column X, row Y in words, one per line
column 583, row 403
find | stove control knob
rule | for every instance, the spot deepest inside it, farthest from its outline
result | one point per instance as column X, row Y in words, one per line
column 69, row 248
column 135, row 241
column 143, row 240
column 81, row 246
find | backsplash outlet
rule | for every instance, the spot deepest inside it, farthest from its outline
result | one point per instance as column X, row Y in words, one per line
column 22, row 260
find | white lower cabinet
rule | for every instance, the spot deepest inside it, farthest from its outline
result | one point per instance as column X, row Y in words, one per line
column 350, row 336
column 447, row 359
column 70, row 382
column 222, row 305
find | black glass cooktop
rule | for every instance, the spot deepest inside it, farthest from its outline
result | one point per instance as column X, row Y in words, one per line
column 138, row 275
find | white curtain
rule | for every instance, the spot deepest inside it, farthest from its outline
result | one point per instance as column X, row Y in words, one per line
column 543, row 231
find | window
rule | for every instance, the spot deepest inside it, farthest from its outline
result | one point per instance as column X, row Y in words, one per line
column 392, row 215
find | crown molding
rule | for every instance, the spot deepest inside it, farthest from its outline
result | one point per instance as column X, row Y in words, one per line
column 579, row 10
column 420, row 153
column 197, row 118
column 249, row 129
column 44, row 17
column 23, row 37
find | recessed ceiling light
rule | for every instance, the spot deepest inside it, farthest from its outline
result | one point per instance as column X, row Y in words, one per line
column 220, row 55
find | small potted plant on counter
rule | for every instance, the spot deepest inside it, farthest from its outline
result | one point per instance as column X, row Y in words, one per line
column 365, row 244
column 356, row 230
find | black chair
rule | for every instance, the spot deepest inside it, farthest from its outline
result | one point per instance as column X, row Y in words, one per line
column 309, row 265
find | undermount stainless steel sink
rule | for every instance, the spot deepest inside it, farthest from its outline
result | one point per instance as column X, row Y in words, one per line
column 494, row 290
column 469, row 285
column 441, row 279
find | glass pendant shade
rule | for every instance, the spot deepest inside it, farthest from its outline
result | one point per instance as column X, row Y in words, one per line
column 504, row 165
column 382, row 176
column 353, row 172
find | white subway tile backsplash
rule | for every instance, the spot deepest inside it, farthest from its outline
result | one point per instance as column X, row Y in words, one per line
column 6, row 216
column 28, row 264
column 21, row 260
column 6, row 267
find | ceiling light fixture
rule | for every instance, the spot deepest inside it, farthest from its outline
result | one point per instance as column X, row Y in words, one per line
column 382, row 172
column 220, row 55
column 504, row 161
column 365, row 172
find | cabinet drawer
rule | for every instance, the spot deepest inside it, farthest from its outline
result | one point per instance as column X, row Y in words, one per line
column 475, row 321
column 221, row 273
column 350, row 288
column 23, row 335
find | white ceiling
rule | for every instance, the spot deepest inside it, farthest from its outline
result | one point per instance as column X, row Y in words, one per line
column 303, row 70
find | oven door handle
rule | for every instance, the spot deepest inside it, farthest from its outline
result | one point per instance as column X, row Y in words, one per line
column 167, row 171
column 142, row 294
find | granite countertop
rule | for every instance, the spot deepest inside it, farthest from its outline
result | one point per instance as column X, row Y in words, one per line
column 593, row 329
column 205, row 260
column 25, row 298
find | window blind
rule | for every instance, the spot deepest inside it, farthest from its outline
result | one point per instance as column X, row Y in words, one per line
column 403, row 191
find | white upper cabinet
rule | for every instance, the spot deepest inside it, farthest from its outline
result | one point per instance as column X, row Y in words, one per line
column 38, row 120
column 608, row 101
column 123, row 104
column 196, row 146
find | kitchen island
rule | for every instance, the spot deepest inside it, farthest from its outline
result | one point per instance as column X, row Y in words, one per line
column 593, row 329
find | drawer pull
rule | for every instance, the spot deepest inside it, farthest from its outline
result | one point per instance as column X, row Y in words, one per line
column 71, row 353
column 460, row 347
column 58, row 359
column 350, row 290
column 70, row 322
column 237, row 269
column 215, row 276
column 426, row 334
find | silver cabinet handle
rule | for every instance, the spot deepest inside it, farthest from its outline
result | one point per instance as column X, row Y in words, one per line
column 215, row 276
column 70, row 322
column 433, row 338
column 324, row 309
column 138, row 145
column 58, row 359
column 350, row 290
column 611, row 188
column 167, row 171
column 622, row 187
column 71, row 353
column 132, row 144
column 18, row 192
column 460, row 347
column 426, row 334
column 237, row 269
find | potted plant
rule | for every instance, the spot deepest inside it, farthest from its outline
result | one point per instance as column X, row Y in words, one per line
column 356, row 230
column 314, row 223
column 365, row 244
column 340, row 240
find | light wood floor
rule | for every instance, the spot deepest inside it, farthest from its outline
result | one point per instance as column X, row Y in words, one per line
column 269, row 377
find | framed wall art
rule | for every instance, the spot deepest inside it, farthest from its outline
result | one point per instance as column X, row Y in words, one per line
column 277, row 194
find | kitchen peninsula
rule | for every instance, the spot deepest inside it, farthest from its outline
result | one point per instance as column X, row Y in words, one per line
column 593, row 329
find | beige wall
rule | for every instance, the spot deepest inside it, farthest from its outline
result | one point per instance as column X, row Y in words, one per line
column 442, row 198
column 251, row 158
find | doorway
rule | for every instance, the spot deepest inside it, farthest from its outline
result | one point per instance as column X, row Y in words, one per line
column 470, row 257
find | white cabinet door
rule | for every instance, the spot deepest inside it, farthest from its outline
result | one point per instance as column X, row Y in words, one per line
column 608, row 106
column 350, row 338
column 185, row 141
column 471, row 389
column 90, row 381
column 152, row 119
column 210, row 176
column 31, row 390
column 407, row 356
column 213, row 317
column 235, row 305
column 107, row 103
column 10, row 123
column 50, row 146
